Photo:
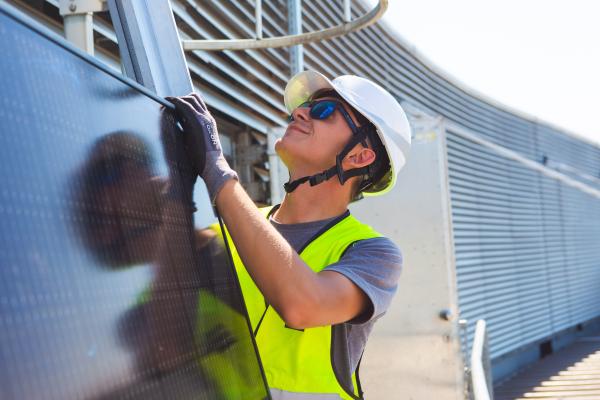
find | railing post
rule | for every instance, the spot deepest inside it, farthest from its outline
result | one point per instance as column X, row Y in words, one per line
column 481, row 379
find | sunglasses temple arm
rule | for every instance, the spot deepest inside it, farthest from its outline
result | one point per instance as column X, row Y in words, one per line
column 351, row 123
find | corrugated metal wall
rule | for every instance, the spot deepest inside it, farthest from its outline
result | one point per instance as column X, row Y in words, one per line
column 526, row 246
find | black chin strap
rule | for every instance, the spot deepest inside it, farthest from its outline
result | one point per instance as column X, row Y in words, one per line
column 337, row 169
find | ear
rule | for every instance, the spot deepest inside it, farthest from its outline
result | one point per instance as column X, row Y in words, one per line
column 359, row 157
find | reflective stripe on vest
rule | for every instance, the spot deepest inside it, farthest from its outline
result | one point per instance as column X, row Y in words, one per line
column 302, row 360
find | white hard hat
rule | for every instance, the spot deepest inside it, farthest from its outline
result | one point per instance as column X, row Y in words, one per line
column 373, row 102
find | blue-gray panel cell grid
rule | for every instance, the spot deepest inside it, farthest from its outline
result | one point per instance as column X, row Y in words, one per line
column 107, row 290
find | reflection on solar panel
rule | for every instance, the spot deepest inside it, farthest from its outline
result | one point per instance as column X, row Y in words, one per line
column 107, row 290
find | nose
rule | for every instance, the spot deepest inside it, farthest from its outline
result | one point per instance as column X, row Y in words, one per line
column 301, row 113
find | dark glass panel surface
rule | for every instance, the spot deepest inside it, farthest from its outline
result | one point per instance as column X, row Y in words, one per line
column 107, row 290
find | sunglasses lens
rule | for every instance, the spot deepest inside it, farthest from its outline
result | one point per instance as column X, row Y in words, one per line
column 322, row 110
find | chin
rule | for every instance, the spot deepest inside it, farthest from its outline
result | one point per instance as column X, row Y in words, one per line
column 287, row 148
column 303, row 152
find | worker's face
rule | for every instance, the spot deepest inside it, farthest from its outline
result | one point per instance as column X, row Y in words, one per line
column 123, row 201
column 310, row 145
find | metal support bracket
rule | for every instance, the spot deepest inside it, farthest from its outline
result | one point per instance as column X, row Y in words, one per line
column 74, row 7
column 78, row 21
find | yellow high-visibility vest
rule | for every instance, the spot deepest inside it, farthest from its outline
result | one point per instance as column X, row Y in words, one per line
column 303, row 360
column 224, row 349
column 225, row 353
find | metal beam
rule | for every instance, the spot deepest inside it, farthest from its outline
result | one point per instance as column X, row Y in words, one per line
column 150, row 46
column 151, row 54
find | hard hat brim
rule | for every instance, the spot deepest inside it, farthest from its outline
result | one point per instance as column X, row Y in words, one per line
column 302, row 86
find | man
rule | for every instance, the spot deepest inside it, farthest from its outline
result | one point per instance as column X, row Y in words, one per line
column 314, row 278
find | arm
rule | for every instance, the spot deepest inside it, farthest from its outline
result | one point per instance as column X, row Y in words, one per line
column 302, row 297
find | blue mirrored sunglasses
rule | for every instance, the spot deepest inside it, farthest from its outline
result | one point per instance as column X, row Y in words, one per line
column 323, row 109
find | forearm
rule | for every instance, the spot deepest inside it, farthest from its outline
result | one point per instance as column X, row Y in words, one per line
column 302, row 297
column 285, row 280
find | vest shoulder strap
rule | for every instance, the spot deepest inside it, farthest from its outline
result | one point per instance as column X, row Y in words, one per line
column 337, row 238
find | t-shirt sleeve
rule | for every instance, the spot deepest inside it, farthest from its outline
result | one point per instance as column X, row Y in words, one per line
column 374, row 265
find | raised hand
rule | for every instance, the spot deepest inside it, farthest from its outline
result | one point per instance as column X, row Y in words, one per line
column 202, row 144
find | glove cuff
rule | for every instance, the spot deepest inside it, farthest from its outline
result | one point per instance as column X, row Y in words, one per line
column 216, row 172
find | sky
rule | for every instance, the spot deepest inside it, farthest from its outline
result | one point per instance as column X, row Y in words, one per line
column 541, row 57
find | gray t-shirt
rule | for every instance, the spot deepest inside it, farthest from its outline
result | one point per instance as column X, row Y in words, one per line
column 374, row 265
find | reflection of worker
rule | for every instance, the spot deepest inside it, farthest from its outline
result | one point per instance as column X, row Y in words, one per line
column 315, row 278
column 124, row 216
column 118, row 206
column 117, row 202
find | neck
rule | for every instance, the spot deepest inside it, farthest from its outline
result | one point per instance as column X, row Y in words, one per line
column 313, row 203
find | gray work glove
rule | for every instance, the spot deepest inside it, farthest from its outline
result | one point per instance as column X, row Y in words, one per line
column 202, row 143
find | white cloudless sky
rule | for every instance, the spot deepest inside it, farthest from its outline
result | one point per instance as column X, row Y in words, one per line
column 541, row 57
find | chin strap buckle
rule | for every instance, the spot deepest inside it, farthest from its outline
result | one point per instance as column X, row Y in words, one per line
column 360, row 136
column 291, row 186
column 318, row 178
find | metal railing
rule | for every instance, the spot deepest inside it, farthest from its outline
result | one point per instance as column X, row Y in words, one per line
column 480, row 367
column 347, row 26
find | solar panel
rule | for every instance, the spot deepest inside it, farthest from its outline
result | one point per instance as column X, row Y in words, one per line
column 107, row 288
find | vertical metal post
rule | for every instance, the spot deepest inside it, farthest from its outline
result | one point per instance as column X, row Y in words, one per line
column 347, row 14
column 79, row 23
column 258, row 19
column 295, row 28
column 79, row 31
column 277, row 174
